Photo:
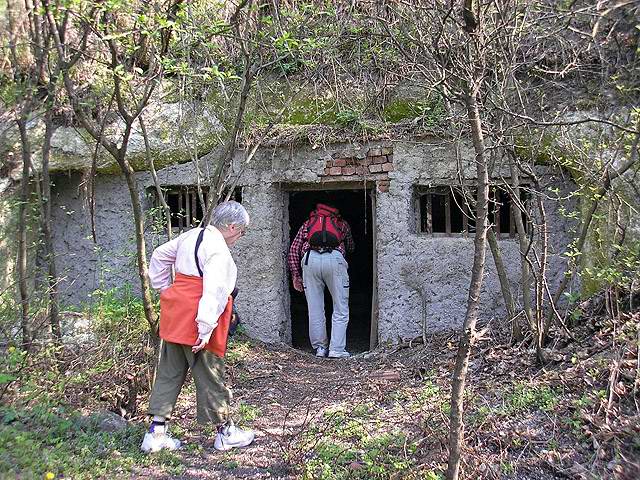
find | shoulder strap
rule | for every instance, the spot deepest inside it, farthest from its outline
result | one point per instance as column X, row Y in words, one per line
column 198, row 242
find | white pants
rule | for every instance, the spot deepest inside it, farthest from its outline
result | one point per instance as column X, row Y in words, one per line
column 328, row 269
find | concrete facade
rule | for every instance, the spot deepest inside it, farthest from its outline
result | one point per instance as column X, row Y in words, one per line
column 420, row 277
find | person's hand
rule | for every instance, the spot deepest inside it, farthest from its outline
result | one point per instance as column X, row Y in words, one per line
column 297, row 284
column 196, row 348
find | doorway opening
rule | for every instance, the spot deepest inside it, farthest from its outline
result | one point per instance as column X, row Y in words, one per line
column 355, row 207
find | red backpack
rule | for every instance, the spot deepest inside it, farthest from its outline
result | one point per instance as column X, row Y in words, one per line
column 324, row 231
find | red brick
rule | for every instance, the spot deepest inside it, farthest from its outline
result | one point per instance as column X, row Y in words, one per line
column 387, row 150
column 327, row 171
column 364, row 161
column 374, row 152
column 352, row 161
column 379, row 159
column 387, row 167
column 339, row 162
column 389, row 158
column 335, row 171
column 349, row 170
column 375, row 168
column 361, row 170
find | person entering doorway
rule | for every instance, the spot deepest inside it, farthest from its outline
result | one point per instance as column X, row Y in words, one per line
column 317, row 259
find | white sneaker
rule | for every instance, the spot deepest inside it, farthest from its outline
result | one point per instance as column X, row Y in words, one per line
column 229, row 436
column 157, row 440
column 321, row 352
column 334, row 354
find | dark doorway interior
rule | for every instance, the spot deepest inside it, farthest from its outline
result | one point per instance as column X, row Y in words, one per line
column 355, row 208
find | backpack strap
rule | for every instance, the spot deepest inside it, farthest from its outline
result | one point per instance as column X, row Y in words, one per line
column 324, row 230
column 195, row 253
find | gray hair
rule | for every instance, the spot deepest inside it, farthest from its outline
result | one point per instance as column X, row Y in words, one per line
column 228, row 213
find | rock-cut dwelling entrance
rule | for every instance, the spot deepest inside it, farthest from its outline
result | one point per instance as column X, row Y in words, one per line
column 355, row 205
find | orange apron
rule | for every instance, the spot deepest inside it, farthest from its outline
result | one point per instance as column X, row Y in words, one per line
column 178, row 312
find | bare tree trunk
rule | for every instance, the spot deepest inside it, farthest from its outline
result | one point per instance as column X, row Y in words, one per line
column 119, row 154
column 155, row 340
column 25, row 324
column 524, row 242
column 504, row 283
column 541, row 331
column 143, row 269
column 456, row 428
column 52, row 276
column 156, row 182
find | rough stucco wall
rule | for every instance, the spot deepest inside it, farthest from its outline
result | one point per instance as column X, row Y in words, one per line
column 410, row 265
column 261, row 266
column 84, row 265
column 258, row 255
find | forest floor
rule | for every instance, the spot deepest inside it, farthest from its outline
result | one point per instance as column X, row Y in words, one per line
column 384, row 415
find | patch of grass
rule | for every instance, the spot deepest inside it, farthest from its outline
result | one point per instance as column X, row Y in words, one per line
column 247, row 413
column 480, row 415
column 363, row 410
column 341, row 425
column 352, row 443
column 348, row 117
column 427, row 397
column 431, row 475
column 428, row 392
column 230, row 464
column 194, row 447
column 375, row 457
column 36, row 441
column 576, row 421
column 237, row 350
column 527, row 397
column 507, row 468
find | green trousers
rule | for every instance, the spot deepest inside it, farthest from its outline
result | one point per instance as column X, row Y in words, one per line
column 212, row 397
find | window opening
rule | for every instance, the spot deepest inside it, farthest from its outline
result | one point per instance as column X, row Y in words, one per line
column 185, row 206
column 235, row 195
column 450, row 210
column 187, row 211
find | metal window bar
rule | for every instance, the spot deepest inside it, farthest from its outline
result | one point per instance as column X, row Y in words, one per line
column 180, row 210
column 187, row 198
column 447, row 214
column 494, row 195
column 194, row 210
column 429, row 214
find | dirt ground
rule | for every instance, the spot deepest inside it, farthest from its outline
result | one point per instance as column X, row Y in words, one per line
column 385, row 415
column 289, row 389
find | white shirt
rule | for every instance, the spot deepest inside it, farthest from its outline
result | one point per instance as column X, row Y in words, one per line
column 219, row 272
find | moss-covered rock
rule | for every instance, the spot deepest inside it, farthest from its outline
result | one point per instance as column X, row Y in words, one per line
column 175, row 132
column 430, row 110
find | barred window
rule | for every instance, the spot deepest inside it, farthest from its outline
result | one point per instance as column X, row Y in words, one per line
column 187, row 205
column 450, row 210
